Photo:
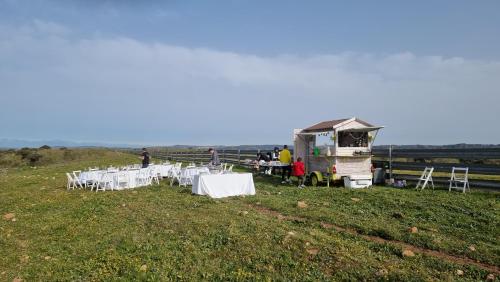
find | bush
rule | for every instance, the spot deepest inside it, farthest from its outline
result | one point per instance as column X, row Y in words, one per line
column 45, row 147
column 10, row 159
column 33, row 158
column 29, row 155
column 24, row 152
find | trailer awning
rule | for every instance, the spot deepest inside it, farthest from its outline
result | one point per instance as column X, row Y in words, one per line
column 314, row 133
column 363, row 129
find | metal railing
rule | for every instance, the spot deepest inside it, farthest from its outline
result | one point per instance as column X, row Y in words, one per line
column 483, row 163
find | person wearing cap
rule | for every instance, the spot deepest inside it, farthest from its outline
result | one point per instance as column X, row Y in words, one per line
column 214, row 157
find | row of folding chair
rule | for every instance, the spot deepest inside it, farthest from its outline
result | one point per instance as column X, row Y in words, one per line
column 110, row 180
column 459, row 179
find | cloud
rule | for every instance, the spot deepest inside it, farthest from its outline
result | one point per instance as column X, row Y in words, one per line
column 57, row 85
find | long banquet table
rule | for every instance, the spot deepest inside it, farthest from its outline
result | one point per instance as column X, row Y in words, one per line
column 131, row 175
column 223, row 185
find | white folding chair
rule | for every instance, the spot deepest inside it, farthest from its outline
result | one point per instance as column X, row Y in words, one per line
column 459, row 176
column 112, row 169
column 185, row 178
column 140, row 178
column 155, row 174
column 71, row 183
column 173, row 174
column 105, row 181
column 76, row 179
column 425, row 178
column 123, row 180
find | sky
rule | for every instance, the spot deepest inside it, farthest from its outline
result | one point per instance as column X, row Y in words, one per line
column 248, row 72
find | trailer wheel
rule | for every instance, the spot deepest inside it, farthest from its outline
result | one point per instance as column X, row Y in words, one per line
column 314, row 180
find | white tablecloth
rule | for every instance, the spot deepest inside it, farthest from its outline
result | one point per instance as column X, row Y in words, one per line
column 162, row 169
column 92, row 176
column 224, row 185
column 192, row 171
column 130, row 176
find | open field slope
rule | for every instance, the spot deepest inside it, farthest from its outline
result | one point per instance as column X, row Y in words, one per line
column 165, row 233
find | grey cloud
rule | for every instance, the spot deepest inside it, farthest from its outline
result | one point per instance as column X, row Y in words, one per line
column 120, row 89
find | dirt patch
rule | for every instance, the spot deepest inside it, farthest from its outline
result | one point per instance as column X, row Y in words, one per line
column 404, row 246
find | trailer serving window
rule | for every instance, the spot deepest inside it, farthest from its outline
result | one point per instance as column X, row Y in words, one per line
column 353, row 139
column 356, row 137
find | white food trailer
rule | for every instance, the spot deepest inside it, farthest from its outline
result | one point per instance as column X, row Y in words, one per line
column 346, row 156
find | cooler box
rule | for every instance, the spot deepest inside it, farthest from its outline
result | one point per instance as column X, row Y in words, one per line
column 358, row 181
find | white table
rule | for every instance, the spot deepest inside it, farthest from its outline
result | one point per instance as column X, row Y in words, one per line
column 91, row 176
column 273, row 164
column 130, row 175
column 223, row 185
column 163, row 170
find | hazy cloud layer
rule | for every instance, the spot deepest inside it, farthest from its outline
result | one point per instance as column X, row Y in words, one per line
column 57, row 85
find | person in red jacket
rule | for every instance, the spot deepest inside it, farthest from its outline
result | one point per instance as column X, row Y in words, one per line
column 299, row 171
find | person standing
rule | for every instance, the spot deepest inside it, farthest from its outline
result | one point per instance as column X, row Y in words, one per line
column 214, row 157
column 286, row 161
column 145, row 158
column 299, row 171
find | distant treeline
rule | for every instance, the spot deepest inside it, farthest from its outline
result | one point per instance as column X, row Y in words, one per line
column 453, row 146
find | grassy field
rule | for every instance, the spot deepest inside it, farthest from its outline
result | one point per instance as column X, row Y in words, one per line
column 165, row 233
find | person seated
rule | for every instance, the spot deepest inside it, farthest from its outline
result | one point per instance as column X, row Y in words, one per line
column 262, row 159
column 256, row 163
column 275, row 154
column 299, row 172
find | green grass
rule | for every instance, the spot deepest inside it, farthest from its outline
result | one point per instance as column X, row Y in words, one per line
column 165, row 233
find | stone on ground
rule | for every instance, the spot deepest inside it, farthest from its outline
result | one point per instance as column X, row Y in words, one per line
column 312, row 252
column 9, row 216
column 408, row 253
column 413, row 229
column 301, row 204
column 382, row 272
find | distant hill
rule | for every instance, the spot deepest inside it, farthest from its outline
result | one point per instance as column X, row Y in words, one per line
column 452, row 146
column 19, row 143
column 221, row 147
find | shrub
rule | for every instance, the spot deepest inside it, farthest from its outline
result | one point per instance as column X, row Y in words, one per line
column 33, row 158
column 45, row 147
column 24, row 152
column 10, row 159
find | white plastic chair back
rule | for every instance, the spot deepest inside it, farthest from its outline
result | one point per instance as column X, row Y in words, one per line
column 459, row 179
column 71, row 183
column 76, row 179
column 122, row 179
column 425, row 178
